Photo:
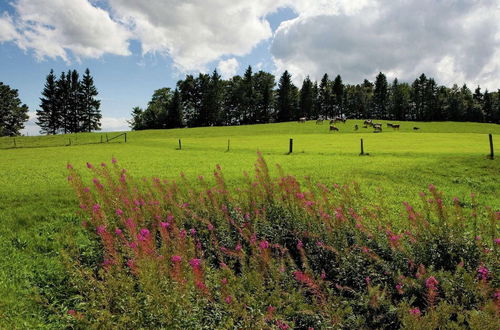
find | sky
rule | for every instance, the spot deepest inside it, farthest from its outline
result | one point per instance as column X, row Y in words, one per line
column 135, row 47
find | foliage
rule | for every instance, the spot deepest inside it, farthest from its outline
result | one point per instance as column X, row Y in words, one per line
column 69, row 104
column 275, row 252
column 13, row 114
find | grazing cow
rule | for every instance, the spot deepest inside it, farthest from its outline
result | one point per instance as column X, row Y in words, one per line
column 377, row 128
column 368, row 122
column 377, row 125
column 396, row 126
column 416, row 128
column 333, row 128
column 302, row 120
column 332, row 121
column 319, row 121
column 356, row 127
column 389, row 125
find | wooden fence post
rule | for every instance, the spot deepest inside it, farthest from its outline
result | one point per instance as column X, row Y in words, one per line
column 362, row 150
column 107, row 140
column 125, row 137
column 180, row 144
column 228, row 143
column 15, row 145
column 492, row 153
column 101, row 138
column 69, row 142
column 291, row 146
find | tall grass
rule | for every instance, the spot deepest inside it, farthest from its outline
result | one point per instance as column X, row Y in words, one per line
column 276, row 253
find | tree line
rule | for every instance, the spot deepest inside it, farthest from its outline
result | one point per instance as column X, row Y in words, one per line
column 69, row 104
column 208, row 100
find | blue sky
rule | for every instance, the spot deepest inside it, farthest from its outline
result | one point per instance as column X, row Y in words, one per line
column 133, row 48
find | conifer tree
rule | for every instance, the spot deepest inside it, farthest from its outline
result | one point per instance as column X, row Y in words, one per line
column 90, row 117
column 286, row 103
column 306, row 103
column 325, row 97
column 48, row 117
column 13, row 114
column 380, row 97
column 174, row 113
column 338, row 96
column 62, row 99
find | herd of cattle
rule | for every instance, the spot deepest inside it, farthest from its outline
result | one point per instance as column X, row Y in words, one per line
column 377, row 127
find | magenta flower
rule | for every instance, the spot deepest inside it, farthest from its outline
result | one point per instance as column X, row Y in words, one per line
column 176, row 258
column 431, row 283
column 103, row 164
column 210, row 227
column 228, row 299
column 300, row 244
column 119, row 212
column 118, row 231
column 432, row 187
column 69, row 166
column 89, row 165
column 170, row 217
column 72, row 312
column 192, row 231
column 195, row 263
column 415, row 311
column 70, row 178
column 101, row 229
column 86, row 189
column 132, row 245
column 238, row 247
column 224, row 281
column 164, row 224
column 264, row 244
column 182, row 233
column 96, row 208
column 300, row 195
column 113, row 160
column 497, row 241
column 323, row 275
column 483, row 272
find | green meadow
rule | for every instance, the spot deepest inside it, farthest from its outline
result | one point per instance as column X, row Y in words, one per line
column 37, row 205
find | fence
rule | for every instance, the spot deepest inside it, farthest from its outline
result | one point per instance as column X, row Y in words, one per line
column 59, row 140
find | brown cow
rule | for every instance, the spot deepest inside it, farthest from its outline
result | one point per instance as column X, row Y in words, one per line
column 368, row 122
column 416, row 128
column 333, row 128
column 302, row 120
column 395, row 126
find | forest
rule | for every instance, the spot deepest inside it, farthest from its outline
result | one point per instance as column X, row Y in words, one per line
column 209, row 100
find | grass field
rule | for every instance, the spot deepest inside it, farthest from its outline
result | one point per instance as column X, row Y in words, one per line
column 37, row 204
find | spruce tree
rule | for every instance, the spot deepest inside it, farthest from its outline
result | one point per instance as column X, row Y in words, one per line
column 264, row 96
column 62, row 97
column 90, row 117
column 286, row 103
column 48, row 117
column 338, row 96
column 325, row 97
column 174, row 113
column 248, row 100
column 487, row 107
column 380, row 97
column 73, row 102
column 306, row 103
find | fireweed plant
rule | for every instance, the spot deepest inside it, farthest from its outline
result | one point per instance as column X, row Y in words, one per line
column 276, row 253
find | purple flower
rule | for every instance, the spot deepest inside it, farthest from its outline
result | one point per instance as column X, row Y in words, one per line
column 96, row 208
column 113, row 160
column 300, row 244
column 89, row 165
column 210, row 227
column 119, row 212
column 431, row 283
column 415, row 311
column 483, row 272
column 192, row 231
column 195, row 263
column 103, row 164
column 101, row 229
column 497, row 241
column 228, row 299
column 264, row 244
column 164, row 224
column 118, row 231
column 176, row 258
column 69, row 166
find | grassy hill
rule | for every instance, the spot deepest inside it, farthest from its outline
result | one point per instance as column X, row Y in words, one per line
column 37, row 204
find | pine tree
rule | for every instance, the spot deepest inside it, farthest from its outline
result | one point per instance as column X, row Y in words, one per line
column 90, row 117
column 174, row 113
column 137, row 123
column 286, row 103
column 248, row 100
column 48, row 117
column 380, row 97
column 306, row 103
column 62, row 97
column 214, row 99
column 338, row 96
column 488, row 107
column 325, row 97
column 73, row 113
column 264, row 96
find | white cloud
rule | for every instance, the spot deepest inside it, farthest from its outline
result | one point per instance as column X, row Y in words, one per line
column 51, row 28
column 228, row 68
column 197, row 32
column 452, row 41
column 112, row 124
column 7, row 29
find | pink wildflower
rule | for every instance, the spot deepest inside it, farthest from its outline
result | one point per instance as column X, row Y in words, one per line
column 89, row 165
column 432, row 187
column 228, row 299
column 483, row 272
column 170, row 217
column 118, row 231
column 224, row 281
column 195, row 263
column 96, row 208
column 264, row 245
column 164, row 224
column 113, row 160
column 415, row 311
column 183, row 233
column 497, row 241
column 300, row 195
column 192, row 231
column 238, row 247
column 323, row 275
column 69, row 166
column 300, row 244
column 119, row 212
column 210, row 227
column 101, row 229
column 176, row 258
column 103, row 164
column 431, row 283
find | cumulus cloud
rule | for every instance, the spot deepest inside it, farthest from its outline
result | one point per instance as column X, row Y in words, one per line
column 228, row 68
column 52, row 28
column 7, row 29
column 197, row 32
column 113, row 124
column 455, row 41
